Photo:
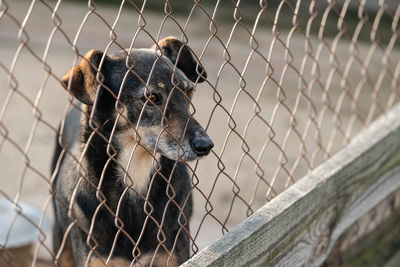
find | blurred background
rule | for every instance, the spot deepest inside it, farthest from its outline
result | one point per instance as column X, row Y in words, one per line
column 289, row 84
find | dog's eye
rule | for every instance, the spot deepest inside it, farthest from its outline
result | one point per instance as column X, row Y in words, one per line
column 155, row 98
column 189, row 93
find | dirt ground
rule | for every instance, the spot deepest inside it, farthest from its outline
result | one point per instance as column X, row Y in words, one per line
column 286, row 134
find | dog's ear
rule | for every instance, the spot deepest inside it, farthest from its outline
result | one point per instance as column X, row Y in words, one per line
column 184, row 60
column 83, row 77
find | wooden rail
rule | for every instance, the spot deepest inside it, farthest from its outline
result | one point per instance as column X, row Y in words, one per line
column 327, row 213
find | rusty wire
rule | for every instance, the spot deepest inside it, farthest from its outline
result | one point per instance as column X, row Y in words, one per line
column 289, row 84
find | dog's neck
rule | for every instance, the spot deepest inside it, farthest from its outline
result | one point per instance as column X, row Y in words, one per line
column 137, row 162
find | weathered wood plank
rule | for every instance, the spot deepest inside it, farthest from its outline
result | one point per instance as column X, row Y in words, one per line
column 394, row 261
column 301, row 225
column 371, row 241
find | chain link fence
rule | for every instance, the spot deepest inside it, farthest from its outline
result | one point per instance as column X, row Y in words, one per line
column 288, row 84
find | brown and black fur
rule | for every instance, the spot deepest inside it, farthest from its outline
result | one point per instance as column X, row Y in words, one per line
column 106, row 132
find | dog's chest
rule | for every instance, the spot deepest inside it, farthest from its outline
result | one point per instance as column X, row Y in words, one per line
column 136, row 164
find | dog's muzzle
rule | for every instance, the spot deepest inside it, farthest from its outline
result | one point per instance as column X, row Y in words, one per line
column 202, row 145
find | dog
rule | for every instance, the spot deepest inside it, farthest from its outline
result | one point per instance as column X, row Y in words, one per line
column 121, row 185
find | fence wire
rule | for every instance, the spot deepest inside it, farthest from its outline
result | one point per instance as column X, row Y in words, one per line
column 288, row 84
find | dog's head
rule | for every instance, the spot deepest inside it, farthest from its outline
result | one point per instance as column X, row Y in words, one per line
column 154, row 88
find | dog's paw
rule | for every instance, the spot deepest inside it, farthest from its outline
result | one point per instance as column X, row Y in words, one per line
column 161, row 260
column 115, row 262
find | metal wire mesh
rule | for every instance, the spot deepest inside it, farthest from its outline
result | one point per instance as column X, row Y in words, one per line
column 289, row 83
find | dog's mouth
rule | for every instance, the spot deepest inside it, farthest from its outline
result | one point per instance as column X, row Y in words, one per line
column 194, row 145
column 188, row 150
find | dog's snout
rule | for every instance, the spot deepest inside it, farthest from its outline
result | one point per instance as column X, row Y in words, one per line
column 202, row 145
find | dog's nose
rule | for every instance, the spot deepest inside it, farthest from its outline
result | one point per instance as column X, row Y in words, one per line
column 202, row 145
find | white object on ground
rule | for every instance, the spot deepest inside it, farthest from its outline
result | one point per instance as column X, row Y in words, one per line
column 22, row 232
